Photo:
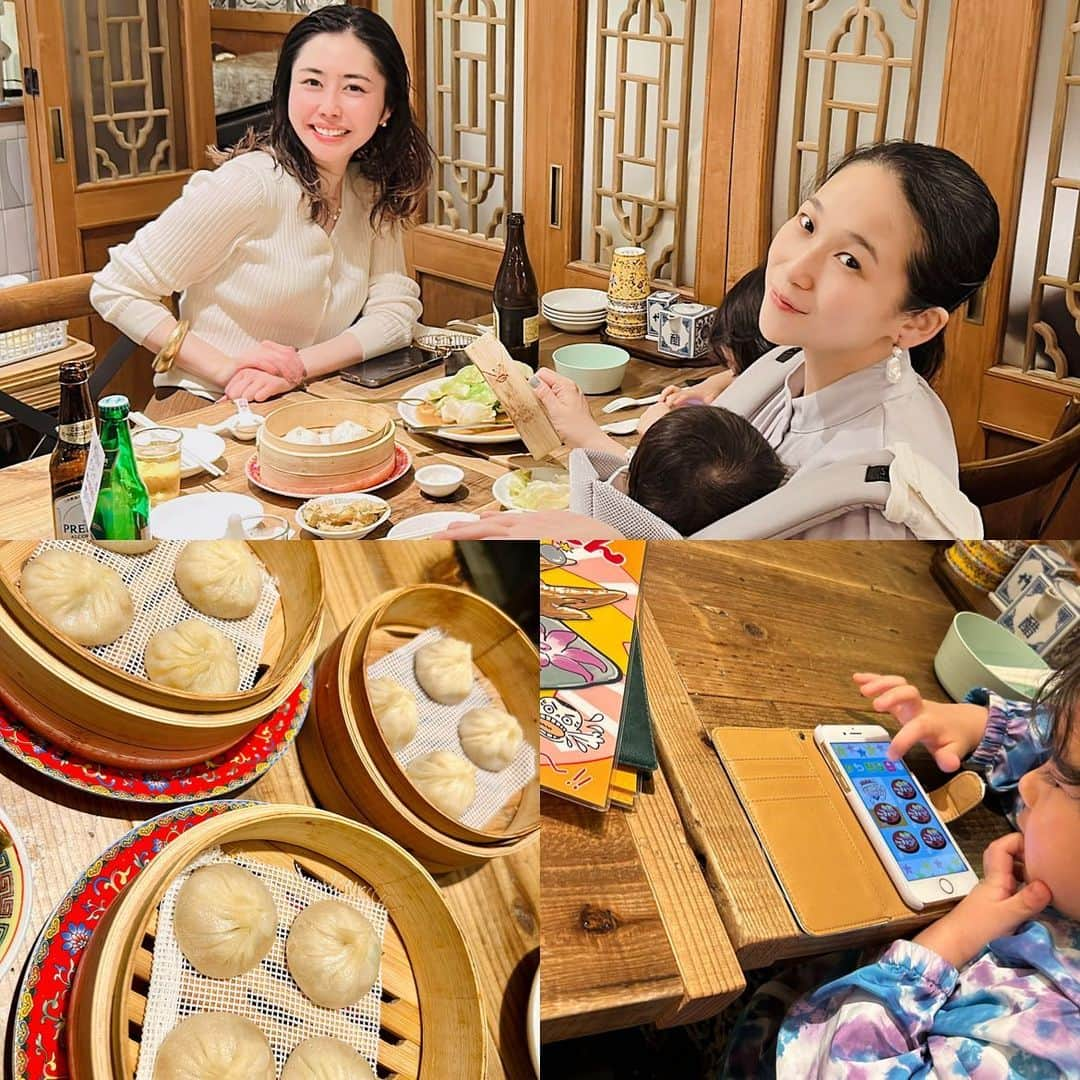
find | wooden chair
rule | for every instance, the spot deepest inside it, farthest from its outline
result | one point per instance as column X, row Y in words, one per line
column 1052, row 465
column 48, row 301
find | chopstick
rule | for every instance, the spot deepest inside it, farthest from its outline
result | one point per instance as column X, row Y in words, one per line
column 454, row 427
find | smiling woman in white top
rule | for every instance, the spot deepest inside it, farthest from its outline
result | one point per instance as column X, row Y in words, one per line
column 289, row 255
column 862, row 281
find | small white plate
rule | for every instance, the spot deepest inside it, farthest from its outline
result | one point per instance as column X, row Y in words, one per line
column 206, row 444
column 422, row 526
column 203, row 516
column 344, row 534
column 532, row 1023
column 501, row 488
column 409, row 415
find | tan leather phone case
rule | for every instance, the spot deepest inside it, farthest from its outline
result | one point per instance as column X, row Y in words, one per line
column 825, row 865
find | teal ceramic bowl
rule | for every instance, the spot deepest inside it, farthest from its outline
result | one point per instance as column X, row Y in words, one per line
column 596, row 368
column 977, row 652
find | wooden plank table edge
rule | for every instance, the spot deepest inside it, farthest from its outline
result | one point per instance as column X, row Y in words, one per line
column 582, row 1014
column 712, row 977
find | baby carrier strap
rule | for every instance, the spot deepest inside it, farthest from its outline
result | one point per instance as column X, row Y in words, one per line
column 760, row 382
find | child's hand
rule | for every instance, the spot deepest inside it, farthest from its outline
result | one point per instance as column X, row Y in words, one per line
column 949, row 732
column 703, row 393
column 651, row 415
column 994, row 908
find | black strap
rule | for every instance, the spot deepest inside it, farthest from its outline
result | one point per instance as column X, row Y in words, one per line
column 44, row 423
column 786, row 355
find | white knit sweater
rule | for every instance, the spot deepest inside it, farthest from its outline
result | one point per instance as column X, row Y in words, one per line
column 239, row 243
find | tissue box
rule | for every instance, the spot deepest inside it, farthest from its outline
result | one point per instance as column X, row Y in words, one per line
column 655, row 307
column 685, row 330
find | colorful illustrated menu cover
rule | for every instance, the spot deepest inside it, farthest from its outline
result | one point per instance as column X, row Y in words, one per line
column 588, row 602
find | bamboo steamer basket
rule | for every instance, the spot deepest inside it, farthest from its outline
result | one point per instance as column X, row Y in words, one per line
column 509, row 666
column 353, row 788
column 292, row 631
column 99, row 717
column 432, row 1018
column 314, row 469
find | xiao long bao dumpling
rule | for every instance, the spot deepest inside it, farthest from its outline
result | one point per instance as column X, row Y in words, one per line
column 225, row 920
column 77, row 595
column 326, row 1059
column 394, row 707
column 193, row 656
column 446, row 780
column 444, row 670
column 333, row 954
column 490, row 737
column 215, row 1046
column 220, row 578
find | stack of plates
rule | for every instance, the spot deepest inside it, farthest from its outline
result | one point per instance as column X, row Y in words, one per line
column 577, row 311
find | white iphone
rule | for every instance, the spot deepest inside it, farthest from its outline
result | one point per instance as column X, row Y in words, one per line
column 919, row 855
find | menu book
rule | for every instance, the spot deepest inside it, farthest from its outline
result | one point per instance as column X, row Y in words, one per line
column 588, row 606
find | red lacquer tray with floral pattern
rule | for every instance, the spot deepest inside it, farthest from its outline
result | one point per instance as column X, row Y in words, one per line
column 39, row 1049
column 236, row 768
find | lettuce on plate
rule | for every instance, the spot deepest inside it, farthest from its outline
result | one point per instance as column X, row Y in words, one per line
column 527, row 493
column 466, row 398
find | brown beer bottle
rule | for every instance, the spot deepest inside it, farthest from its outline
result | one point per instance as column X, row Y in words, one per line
column 68, row 462
column 517, row 308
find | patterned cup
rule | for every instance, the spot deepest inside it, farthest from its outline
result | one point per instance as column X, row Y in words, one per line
column 629, row 274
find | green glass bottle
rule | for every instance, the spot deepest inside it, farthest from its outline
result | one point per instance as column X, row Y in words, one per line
column 123, row 504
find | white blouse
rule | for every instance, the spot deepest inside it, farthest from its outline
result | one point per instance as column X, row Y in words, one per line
column 861, row 412
column 239, row 243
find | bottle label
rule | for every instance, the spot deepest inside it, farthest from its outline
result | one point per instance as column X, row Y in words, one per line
column 91, row 485
column 69, row 519
column 79, row 434
column 515, row 327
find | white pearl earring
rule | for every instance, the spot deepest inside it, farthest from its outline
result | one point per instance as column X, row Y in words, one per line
column 894, row 366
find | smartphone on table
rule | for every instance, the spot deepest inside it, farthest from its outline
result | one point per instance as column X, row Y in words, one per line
column 391, row 366
column 921, row 858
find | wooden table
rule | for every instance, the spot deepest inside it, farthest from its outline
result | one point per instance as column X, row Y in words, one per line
column 649, row 915
column 36, row 380
column 24, row 488
column 496, row 906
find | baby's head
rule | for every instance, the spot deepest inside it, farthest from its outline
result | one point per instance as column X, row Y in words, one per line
column 1050, row 819
column 736, row 338
column 700, row 463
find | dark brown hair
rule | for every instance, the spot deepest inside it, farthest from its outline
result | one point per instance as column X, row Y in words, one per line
column 736, row 328
column 958, row 220
column 1060, row 697
column 701, row 463
column 397, row 158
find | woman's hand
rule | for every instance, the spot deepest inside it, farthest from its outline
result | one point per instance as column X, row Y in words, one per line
column 256, row 385
column 538, row 525
column 994, row 908
column 949, row 732
column 274, row 359
column 704, row 393
column 569, row 412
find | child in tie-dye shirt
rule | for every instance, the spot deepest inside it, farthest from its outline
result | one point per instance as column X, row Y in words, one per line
column 992, row 989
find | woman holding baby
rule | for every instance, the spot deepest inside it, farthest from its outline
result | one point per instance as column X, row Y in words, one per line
column 860, row 283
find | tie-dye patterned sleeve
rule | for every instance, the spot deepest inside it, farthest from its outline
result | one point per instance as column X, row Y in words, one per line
column 877, row 1018
column 1017, row 740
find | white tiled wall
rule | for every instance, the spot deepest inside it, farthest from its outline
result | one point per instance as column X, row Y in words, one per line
column 18, row 239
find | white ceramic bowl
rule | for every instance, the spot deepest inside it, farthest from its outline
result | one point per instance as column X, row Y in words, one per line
column 575, row 301
column 976, row 649
column 596, row 368
column 372, row 501
column 439, row 481
column 532, row 1024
